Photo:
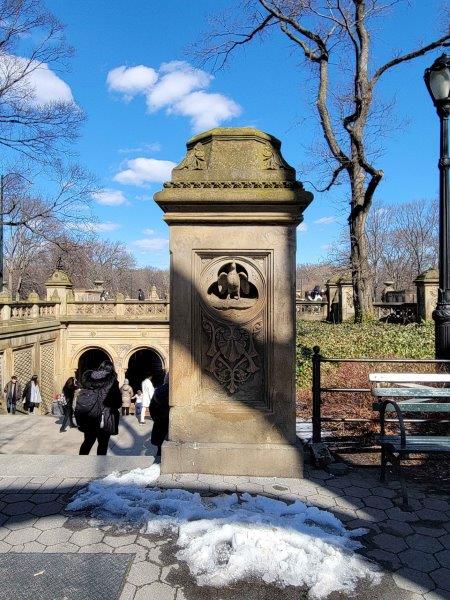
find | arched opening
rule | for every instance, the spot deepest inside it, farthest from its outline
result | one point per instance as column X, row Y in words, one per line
column 90, row 359
column 142, row 363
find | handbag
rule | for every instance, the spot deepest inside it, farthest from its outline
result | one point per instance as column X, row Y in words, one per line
column 110, row 421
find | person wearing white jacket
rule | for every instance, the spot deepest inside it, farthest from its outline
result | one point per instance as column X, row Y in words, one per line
column 147, row 395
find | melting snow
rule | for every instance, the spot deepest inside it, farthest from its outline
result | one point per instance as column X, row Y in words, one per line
column 231, row 537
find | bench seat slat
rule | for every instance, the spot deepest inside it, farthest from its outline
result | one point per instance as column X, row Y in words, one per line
column 418, row 443
column 409, row 377
column 421, row 407
column 411, row 392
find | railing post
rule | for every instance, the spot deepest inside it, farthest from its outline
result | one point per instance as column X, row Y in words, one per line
column 316, row 406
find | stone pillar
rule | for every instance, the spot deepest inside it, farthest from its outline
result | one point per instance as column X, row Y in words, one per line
column 332, row 299
column 346, row 307
column 427, row 285
column 59, row 285
column 233, row 206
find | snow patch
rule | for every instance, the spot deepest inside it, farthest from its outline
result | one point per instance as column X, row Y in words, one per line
column 231, row 537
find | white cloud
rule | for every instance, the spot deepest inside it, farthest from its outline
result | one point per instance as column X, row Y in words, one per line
column 131, row 80
column 179, row 89
column 110, row 197
column 148, row 231
column 179, row 80
column 302, row 227
column 206, row 110
column 142, row 170
column 43, row 83
column 107, row 226
column 153, row 147
column 94, row 227
column 325, row 220
column 148, row 244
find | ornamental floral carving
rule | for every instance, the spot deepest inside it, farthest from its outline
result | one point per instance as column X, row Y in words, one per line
column 232, row 356
column 272, row 159
column 195, row 159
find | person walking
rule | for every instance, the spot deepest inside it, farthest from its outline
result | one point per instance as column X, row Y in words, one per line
column 32, row 395
column 138, row 404
column 127, row 394
column 147, row 395
column 159, row 411
column 68, row 391
column 97, row 407
column 13, row 394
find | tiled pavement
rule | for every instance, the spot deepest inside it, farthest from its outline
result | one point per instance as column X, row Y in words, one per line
column 412, row 547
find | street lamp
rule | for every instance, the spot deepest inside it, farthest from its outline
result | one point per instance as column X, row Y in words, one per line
column 437, row 80
column 2, row 213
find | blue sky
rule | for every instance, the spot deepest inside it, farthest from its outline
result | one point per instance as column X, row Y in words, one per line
column 137, row 118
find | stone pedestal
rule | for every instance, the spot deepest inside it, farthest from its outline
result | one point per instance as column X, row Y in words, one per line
column 233, row 205
column 427, row 285
column 346, row 306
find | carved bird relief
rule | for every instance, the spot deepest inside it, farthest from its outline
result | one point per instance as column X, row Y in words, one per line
column 233, row 282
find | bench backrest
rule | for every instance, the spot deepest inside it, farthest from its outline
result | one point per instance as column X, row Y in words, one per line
column 410, row 392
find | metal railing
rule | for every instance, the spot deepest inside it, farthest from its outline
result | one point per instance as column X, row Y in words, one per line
column 317, row 389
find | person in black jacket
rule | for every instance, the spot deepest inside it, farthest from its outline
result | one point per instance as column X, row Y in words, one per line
column 159, row 412
column 68, row 391
column 102, row 388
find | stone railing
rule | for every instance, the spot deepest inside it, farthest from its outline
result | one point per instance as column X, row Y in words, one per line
column 309, row 310
column 396, row 312
column 29, row 309
column 127, row 309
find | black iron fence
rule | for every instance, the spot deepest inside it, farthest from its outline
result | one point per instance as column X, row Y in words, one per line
column 318, row 390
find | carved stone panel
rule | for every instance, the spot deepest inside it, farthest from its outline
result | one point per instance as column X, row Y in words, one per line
column 232, row 312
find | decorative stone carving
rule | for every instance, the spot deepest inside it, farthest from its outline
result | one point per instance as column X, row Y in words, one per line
column 288, row 185
column 122, row 349
column 232, row 353
column 272, row 159
column 194, row 159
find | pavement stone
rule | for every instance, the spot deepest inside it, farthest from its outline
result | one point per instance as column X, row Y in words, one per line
column 389, row 542
column 397, row 527
column 429, row 514
column 22, row 536
column 128, row 592
column 119, row 540
column 444, row 557
column 143, row 573
column 416, row 559
column 156, row 591
column 18, row 508
column 413, row 580
column 424, row 543
column 86, row 537
column 54, row 536
column 442, row 578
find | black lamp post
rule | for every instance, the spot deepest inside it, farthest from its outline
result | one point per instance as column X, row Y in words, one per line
column 437, row 80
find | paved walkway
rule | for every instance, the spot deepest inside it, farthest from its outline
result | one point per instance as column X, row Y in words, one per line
column 29, row 434
column 412, row 547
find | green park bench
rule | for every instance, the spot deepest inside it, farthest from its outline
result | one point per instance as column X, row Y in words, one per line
column 408, row 393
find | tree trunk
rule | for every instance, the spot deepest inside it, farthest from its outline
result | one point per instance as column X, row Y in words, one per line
column 361, row 277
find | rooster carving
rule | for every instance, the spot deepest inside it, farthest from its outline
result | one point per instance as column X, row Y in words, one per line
column 233, row 282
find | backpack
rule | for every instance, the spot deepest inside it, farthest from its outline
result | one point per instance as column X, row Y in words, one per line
column 89, row 408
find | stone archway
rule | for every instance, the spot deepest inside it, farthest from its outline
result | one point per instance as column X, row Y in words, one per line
column 90, row 359
column 144, row 361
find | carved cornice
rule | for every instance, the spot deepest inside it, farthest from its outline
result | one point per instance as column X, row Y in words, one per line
column 289, row 185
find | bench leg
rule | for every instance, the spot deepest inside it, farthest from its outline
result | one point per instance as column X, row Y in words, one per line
column 399, row 470
column 383, row 464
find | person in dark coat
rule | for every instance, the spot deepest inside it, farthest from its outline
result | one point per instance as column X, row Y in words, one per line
column 13, row 394
column 159, row 412
column 141, row 295
column 68, row 391
column 104, row 382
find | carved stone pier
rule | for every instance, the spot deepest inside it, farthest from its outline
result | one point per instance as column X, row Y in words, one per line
column 233, row 205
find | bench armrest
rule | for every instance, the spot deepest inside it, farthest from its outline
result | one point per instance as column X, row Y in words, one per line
column 399, row 417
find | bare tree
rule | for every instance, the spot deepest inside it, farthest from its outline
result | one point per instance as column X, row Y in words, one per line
column 31, row 40
column 334, row 38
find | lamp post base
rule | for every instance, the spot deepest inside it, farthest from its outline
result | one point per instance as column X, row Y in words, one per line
column 441, row 318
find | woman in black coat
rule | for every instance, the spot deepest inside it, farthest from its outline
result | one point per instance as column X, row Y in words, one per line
column 159, row 412
column 99, row 391
column 69, row 390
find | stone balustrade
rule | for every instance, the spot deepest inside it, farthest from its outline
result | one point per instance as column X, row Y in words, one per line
column 119, row 309
column 310, row 310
